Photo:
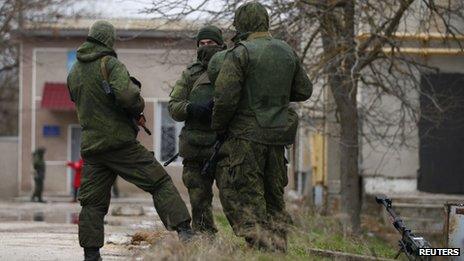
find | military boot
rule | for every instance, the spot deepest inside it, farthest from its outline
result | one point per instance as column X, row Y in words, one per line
column 185, row 232
column 92, row 254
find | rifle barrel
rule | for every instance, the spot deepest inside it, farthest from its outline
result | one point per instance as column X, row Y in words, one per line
column 171, row 160
column 146, row 130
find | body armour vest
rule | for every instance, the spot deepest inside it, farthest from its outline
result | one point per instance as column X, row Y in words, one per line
column 269, row 78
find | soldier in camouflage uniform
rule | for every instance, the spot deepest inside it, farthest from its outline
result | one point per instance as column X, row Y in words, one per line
column 191, row 101
column 39, row 174
column 109, row 146
column 258, row 79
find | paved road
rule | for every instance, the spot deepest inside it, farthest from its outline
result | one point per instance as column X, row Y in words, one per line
column 36, row 231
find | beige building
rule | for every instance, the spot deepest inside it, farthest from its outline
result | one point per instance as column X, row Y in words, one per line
column 154, row 53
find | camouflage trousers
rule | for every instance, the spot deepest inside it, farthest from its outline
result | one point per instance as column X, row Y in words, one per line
column 251, row 179
column 201, row 196
column 138, row 166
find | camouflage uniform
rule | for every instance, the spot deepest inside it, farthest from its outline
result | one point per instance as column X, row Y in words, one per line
column 257, row 80
column 109, row 146
column 197, row 137
column 39, row 174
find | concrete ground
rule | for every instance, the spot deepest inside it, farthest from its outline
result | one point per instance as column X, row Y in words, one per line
column 48, row 231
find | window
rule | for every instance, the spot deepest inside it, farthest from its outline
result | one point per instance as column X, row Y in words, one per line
column 301, row 163
column 71, row 60
column 168, row 134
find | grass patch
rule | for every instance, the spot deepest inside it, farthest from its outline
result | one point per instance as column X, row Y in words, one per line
column 324, row 232
column 308, row 231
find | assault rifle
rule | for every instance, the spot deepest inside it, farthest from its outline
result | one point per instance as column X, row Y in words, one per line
column 137, row 122
column 213, row 159
column 409, row 243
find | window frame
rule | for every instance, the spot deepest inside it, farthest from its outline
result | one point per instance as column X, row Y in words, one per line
column 158, row 124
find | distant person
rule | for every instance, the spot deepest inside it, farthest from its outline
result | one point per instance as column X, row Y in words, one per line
column 109, row 108
column 77, row 167
column 39, row 174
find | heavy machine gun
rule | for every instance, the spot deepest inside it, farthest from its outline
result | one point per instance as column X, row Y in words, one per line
column 409, row 243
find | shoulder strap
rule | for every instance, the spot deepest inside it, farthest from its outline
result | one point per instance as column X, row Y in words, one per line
column 103, row 70
column 247, row 49
column 193, row 64
column 202, row 79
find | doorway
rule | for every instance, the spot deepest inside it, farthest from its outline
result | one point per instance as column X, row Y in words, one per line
column 74, row 150
column 441, row 134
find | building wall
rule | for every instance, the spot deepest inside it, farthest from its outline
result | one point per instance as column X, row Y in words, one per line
column 394, row 169
column 44, row 60
column 8, row 167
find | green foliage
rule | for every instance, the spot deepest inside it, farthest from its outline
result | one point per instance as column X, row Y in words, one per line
column 324, row 232
column 221, row 222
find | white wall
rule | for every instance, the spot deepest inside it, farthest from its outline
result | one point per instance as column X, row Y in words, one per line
column 8, row 167
column 390, row 169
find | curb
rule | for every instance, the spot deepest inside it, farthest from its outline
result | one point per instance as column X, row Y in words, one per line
column 336, row 255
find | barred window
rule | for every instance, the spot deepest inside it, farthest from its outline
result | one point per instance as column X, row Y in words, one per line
column 168, row 134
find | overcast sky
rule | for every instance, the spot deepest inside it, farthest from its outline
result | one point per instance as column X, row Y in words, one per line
column 124, row 8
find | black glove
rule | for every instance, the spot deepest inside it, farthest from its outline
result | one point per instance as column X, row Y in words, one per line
column 210, row 105
column 199, row 112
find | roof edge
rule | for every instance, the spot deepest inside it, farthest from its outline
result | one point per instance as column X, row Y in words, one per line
column 121, row 33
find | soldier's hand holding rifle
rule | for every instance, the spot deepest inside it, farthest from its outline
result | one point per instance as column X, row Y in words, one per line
column 141, row 120
column 210, row 165
column 202, row 112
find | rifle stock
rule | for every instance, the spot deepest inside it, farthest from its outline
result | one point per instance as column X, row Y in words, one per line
column 212, row 160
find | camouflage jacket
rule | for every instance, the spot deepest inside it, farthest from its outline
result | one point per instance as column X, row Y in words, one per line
column 180, row 92
column 215, row 64
column 106, row 119
column 196, row 138
column 38, row 162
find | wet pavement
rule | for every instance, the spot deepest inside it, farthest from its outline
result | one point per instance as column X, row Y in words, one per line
column 48, row 231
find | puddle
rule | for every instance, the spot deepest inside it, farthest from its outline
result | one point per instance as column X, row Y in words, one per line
column 145, row 224
column 40, row 216
column 119, row 239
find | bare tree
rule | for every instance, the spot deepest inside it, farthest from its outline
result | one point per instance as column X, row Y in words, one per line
column 349, row 46
column 13, row 15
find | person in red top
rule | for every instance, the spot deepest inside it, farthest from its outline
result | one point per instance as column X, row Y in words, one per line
column 77, row 167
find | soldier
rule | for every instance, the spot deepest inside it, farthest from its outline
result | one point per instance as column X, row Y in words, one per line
column 107, row 100
column 191, row 101
column 39, row 174
column 258, row 79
